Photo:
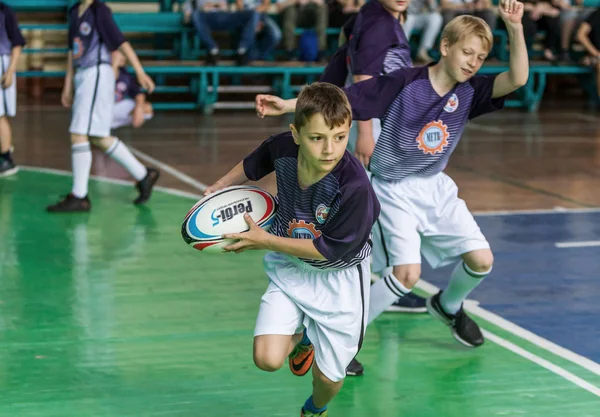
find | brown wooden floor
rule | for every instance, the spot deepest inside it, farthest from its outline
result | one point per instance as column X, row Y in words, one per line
column 506, row 161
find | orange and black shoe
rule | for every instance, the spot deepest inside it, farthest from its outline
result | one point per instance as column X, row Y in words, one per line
column 301, row 359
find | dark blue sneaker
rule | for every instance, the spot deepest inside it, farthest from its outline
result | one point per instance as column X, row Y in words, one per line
column 7, row 166
column 410, row 303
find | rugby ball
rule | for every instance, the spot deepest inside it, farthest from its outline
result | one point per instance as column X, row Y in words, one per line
column 223, row 212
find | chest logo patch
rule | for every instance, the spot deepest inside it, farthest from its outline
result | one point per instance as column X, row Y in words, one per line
column 452, row 104
column 85, row 28
column 433, row 138
column 321, row 213
column 302, row 230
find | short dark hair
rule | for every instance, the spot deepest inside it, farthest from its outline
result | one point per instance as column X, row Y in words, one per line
column 324, row 98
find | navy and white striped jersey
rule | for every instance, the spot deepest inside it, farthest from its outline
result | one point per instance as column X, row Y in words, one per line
column 376, row 45
column 337, row 212
column 419, row 129
column 10, row 35
column 93, row 36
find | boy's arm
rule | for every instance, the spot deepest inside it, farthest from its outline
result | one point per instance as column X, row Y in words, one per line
column 138, row 111
column 237, row 176
column 369, row 99
column 7, row 77
column 257, row 239
column 511, row 12
column 67, row 92
column 365, row 142
column 143, row 78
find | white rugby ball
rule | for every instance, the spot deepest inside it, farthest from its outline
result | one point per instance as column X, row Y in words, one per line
column 223, row 212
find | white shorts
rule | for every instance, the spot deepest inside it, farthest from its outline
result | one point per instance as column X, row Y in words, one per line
column 8, row 102
column 93, row 101
column 331, row 304
column 122, row 113
column 422, row 215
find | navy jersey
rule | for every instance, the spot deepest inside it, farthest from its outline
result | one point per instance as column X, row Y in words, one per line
column 126, row 86
column 10, row 35
column 376, row 45
column 337, row 212
column 93, row 36
column 419, row 129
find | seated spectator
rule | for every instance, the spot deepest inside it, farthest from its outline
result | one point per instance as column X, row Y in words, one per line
column 131, row 107
column 567, row 18
column 213, row 15
column 342, row 10
column 268, row 34
column 589, row 36
column 424, row 15
column 479, row 8
column 542, row 15
column 306, row 14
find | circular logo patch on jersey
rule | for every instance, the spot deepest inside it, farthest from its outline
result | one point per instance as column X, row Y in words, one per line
column 302, row 230
column 433, row 137
column 85, row 28
column 121, row 86
column 452, row 104
column 321, row 213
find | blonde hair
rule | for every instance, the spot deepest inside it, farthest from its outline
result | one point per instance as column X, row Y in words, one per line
column 462, row 27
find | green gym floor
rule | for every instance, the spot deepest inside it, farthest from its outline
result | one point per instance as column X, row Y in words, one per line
column 110, row 314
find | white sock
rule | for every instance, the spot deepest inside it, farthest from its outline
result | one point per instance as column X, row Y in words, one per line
column 120, row 153
column 462, row 282
column 384, row 293
column 81, row 161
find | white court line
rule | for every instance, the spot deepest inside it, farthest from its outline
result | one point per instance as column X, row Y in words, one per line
column 542, row 362
column 520, row 332
column 169, row 169
column 587, row 244
column 63, row 173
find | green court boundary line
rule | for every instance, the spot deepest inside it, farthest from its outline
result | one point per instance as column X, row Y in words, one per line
column 431, row 289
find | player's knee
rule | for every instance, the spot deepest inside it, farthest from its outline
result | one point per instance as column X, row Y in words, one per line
column 267, row 362
column 103, row 143
column 79, row 139
column 407, row 276
column 480, row 261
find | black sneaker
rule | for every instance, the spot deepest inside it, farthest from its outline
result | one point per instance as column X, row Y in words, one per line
column 212, row 59
column 242, row 59
column 410, row 303
column 71, row 204
column 464, row 329
column 145, row 186
column 7, row 167
column 355, row 368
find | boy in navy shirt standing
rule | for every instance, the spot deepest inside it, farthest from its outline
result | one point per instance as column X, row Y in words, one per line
column 11, row 43
column 93, row 36
column 424, row 111
column 320, row 241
